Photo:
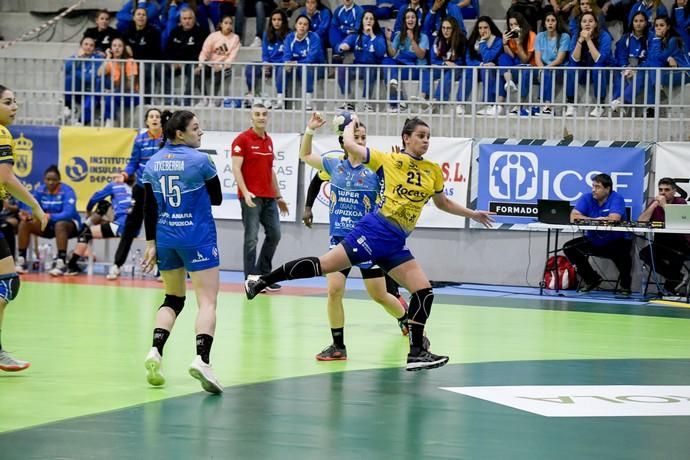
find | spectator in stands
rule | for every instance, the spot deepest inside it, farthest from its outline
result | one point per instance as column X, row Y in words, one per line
column 59, row 202
column 369, row 47
column 441, row 9
column 667, row 253
column 681, row 20
column 320, row 17
column 345, row 21
column 561, row 8
column 484, row 48
column 529, row 9
column 221, row 49
column 184, row 44
column 631, row 52
column 256, row 8
column 591, row 48
column 448, row 52
column 616, row 10
column 290, row 6
column 125, row 16
column 584, row 6
column 551, row 54
column 122, row 198
column 518, row 50
column 301, row 47
column 120, row 73
column 102, row 34
column 219, row 8
column 9, row 221
column 603, row 204
column 81, row 76
column 408, row 49
column 419, row 6
column 171, row 17
column 665, row 50
column 384, row 9
column 272, row 48
column 652, row 8
column 469, row 8
column 142, row 38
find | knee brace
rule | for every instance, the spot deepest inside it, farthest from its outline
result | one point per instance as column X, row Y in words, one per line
column 102, row 207
column 9, row 287
column 420, row 305
column 174, row 303
column 85, row 236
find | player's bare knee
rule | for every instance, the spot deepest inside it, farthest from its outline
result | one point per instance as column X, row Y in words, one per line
column 173, row 302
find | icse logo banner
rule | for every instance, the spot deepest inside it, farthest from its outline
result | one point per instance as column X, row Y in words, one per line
column 513, row 177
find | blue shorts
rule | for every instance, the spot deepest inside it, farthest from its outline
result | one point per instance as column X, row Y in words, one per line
column 366, row 265
column 193, row 260
column 377, row 240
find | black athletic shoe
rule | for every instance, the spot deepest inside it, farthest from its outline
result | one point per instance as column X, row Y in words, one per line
column 588, row 286
column 253, row 287
column 425, row 360
column 332, row 353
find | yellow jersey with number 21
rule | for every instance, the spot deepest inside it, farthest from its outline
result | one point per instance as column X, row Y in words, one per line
column 408, row 183
column 6, row 153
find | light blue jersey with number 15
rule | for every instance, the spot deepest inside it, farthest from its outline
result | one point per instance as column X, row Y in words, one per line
column 178, row 175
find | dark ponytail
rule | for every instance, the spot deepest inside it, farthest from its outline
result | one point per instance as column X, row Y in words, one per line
column 173, row 122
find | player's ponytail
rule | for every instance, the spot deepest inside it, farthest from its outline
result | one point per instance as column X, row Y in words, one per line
column 173, row 122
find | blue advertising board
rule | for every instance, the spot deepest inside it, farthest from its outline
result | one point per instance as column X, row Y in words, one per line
column 36, row 148
column 511, row 178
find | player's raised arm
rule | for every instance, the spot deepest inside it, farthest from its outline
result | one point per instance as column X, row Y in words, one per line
column 358, row 152
column 305, row 150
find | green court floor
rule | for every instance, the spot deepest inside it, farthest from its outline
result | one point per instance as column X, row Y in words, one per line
column 85, row 395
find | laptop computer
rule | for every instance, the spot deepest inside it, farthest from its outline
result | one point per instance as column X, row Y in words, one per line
column 677, row 216
column 553, row 212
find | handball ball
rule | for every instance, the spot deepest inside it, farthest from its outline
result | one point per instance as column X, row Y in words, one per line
column 340, row 121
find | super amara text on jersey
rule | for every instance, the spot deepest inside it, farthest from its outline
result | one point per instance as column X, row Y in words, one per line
column 168, row 165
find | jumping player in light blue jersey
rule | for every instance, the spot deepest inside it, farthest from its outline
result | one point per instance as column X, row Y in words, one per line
column 181, row 186
column 354, row 193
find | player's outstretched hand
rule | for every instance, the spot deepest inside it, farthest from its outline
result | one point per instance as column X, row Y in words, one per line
column 315, row 121
column 484, row 218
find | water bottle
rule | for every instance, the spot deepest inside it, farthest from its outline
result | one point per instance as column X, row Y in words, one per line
column 137, row 272
column 48, row 257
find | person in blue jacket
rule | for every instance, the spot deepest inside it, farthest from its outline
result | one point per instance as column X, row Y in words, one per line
column 591, row 48
column 59, row 202
column 447, row 53
column 652, row 8
column 125, row 15
column 122, row 200
column 407, row 51
column 442, row 9
column 320, row 17
column 419, row 6
column 81, row 76
column 369, row 47
column 346, row 18
column 272, row 48
column 631, row 52
column 681, row 20
column 301, row 47
column 484, row 48
column 665, row 51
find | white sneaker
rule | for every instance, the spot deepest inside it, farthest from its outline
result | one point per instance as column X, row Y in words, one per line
column 256, row 43
column 510, row 87
column 20, row 266
column 10, row 364
column 204, row 373
column 308, row 105
column 366, row 108
column 113, row 272
column 393, row 84
column 459, row 110
column 153, row 368
column 493, row 111
column 59, row 269
column 615, row 105
column 267, row 103
column 570, row 111
column 597, row 112
column 515, row 110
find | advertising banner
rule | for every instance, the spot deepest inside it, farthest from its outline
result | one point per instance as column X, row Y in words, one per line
column 511, row 178
column 89, row 157
column 672, row 159
column 36, row 148
column 452, row 154
column 286, row 162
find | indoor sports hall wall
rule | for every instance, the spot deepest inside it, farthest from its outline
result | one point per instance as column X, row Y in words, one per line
column 448, row 248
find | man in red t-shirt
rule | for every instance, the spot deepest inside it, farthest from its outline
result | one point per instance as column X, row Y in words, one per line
column 668, row 250
column 259, row 193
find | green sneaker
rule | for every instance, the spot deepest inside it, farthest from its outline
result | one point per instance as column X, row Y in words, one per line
column 589, row 286
column 153, row 368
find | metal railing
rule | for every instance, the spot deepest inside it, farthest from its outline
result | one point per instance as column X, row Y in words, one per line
column 457, row 101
